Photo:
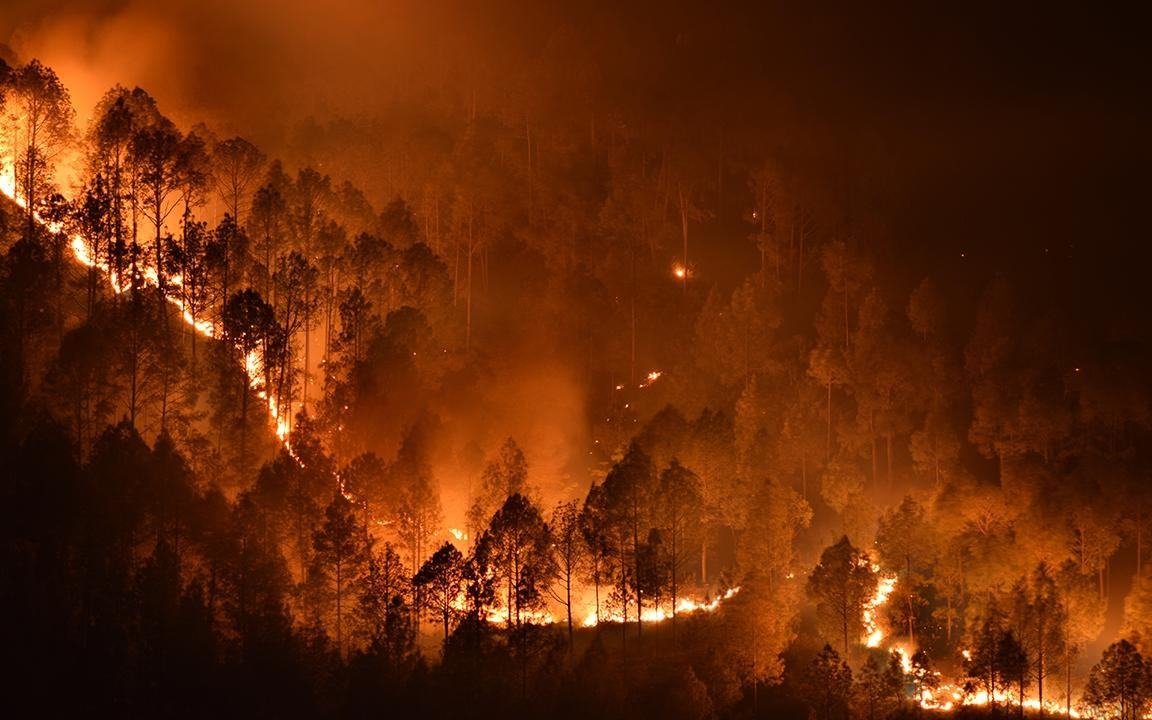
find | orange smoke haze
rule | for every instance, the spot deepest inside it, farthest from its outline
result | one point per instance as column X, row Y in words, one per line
column 252, row 68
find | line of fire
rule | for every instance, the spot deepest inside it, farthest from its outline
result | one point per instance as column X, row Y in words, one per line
column 423, row 360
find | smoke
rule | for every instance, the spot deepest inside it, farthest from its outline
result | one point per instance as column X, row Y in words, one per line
column 253, row 67
column 542, row 407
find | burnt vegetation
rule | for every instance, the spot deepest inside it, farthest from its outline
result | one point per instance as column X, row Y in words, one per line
column 582, row 394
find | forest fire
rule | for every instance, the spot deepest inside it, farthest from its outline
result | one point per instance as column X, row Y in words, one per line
column 931, row 691
column 322, row 367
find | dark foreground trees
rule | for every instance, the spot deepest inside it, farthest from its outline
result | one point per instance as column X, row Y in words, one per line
column 1120, row 685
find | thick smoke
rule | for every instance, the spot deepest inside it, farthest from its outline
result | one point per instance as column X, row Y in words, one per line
column 252, row 67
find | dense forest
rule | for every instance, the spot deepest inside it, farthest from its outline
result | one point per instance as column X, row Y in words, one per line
column 559, row 391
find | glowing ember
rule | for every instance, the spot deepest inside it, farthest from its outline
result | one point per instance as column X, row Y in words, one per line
column 679, row 271
column 651, row 378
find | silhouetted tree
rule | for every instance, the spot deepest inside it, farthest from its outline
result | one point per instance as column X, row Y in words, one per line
column 520, row 553
column 841, row 584
column 1120, row 685
column 342, row 546
column 827, row 685
column 439, row 584
column 41, row 114
column 879, row 690
column 569, row 556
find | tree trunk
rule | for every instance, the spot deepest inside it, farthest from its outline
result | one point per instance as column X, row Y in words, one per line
column 568, row 604
column 704, row 562
column 684, row 232
column 828, row 412
column 339, row 628
column 468, row 300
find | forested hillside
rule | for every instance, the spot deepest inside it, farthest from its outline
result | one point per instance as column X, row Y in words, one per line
column 556, row 390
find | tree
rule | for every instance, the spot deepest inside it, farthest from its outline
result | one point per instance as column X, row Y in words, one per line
column 569, row 554
column 596, row 536
column 520, row 544
column 41, row 113
column 266, row 225
column 758, row 627
column 364, row 479
column 879, row 691
column 504, row 476
column 1040, row 619
column 225, row 253
column 996, row 659
column 310, row 194
column 627, row 496
column 92, row 221
column 905, row 542
column 358, row 323
column 416, row 506
column 236, row 164
column 119, row 116
column 250, row 324
column 679, row 496
column 342, row 546
column 1120, row 685
column 827, row 685
column 1094, row 539
column 295, row 291
column 155, row 153
column 841, row 585
column 774, row 518
column 439, row 584
column 382, row 604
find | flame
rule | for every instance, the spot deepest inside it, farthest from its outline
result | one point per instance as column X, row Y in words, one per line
column 945, row 697
column 885, row 583
column 679, row 271
column 684, row 606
